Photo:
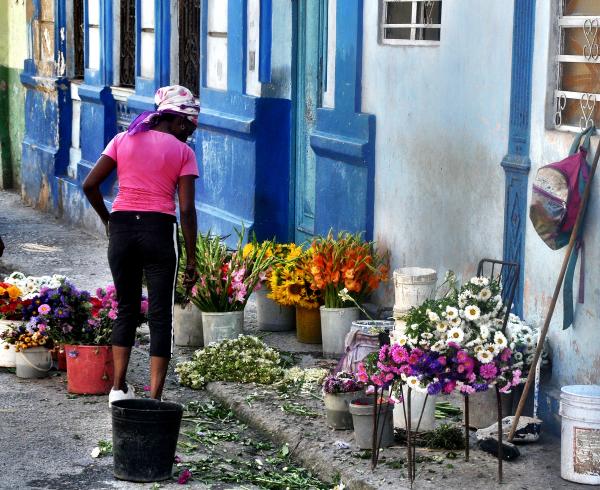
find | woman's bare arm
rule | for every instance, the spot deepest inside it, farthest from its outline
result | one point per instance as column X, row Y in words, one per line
column 187, row 212
column 91, row 185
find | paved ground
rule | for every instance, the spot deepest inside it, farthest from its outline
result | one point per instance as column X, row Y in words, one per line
column 46, row 436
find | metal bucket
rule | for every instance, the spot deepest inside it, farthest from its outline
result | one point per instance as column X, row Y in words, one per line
column 7, row 351
column 222, row 326
column 420, row 403
column 188, row 326
column 34, row 362
column 580, row 434
column 412, row 286
column 335, row 325
column 271, row 316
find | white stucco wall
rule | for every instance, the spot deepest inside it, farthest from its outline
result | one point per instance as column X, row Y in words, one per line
column 442, row 131
column 576, row 356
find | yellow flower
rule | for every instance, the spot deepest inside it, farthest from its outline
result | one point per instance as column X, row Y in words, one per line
column 13, row 292
column 247, row 250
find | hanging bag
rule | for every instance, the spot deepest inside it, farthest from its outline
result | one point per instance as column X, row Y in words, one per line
column 556, row 197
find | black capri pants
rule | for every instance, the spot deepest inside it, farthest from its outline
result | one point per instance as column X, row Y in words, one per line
column 144, row 244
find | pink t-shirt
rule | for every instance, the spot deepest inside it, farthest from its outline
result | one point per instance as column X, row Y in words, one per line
column 149, row 165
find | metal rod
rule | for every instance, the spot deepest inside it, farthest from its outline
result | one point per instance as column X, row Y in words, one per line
column 408, row 438
column 500, row 449
column 561, row 277
column 467, row 423
column 374, row 435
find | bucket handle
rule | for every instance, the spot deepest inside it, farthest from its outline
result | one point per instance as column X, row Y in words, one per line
column 34, row 366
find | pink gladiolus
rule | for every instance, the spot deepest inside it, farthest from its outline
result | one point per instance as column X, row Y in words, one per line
column 505, row 389
column 516, row 377
column 194, row 290
column 112, row 314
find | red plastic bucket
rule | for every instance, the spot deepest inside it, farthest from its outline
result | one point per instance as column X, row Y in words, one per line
column 90, row 369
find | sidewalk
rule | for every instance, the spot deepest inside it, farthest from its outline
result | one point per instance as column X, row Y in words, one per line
column 46, row 435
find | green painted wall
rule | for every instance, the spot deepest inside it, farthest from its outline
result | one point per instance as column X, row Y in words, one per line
column 13, row 51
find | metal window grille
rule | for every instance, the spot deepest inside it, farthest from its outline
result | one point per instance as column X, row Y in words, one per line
column 577, row 94
column 127, row 55
column 189, row 44
column 78, row 39
column 411, row 22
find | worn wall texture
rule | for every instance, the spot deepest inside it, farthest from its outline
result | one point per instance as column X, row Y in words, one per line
column 576, row 356
column 442, row 130
column 13, row 50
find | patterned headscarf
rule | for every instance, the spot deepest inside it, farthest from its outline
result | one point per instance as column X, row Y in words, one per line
column 174, row 99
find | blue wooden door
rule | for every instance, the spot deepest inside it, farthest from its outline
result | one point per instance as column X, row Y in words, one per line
column 310, row 38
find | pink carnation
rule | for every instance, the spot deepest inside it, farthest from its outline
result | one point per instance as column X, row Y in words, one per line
column 467, row 390
column 112, row 314
column 505, row 389
column 449, row 387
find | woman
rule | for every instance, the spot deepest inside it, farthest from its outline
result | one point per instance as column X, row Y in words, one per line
column 153, row 162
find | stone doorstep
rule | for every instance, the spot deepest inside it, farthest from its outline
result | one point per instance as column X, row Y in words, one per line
column 307, row 453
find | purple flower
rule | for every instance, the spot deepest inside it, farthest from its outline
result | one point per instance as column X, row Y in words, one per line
column 434, row 388
column 44, row 309
column 184, row 477
column 506, row 354
column 480, row 387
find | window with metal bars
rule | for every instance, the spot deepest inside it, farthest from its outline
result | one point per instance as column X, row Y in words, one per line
column 577, row 94
column 411, row 22
column 189, row 44
column 127, row 55
column 78, row 39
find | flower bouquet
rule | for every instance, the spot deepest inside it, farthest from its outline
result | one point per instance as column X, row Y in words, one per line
column 273, row 315
column 226, row 280
column 344, row 263
column 339, row 390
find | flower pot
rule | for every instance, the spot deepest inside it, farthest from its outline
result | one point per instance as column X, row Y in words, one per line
column 417, row 400
column 188, row 326
column 363, row 421
column 90, row 369
column 335, row 325
column 483, row 407
column 271, row 316
column 412, row 286
column 7, row 351
column 8, row 355
column 222, row 326
column 59, row 357
column 308, row 325
column 34, row 362
column 337, row 406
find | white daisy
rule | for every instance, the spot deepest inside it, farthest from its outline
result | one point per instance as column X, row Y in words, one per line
column 412, row 381
column 472, row 312
column 479, row 349
column 484, row 294
column 475, row 281
column 401, row 339
column 518, row 356
column 500, row 340
column 427, row 335
column 485, row 357
column 441, row 327
column 484, row 331
column 456, row 334
column 438, row 346
column 451, row 312
column 414, row 326
column 492, row 349
column 455, row 322
column 433, row 316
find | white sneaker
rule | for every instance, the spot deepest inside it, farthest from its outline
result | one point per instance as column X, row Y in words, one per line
column 116, row 395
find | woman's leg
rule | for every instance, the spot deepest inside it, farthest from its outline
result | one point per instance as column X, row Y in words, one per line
column 126, row 267
column 160, row 269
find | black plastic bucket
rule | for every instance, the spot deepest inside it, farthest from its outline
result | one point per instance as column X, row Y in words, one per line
column 145, row 436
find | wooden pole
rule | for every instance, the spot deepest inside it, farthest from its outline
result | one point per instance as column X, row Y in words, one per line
column 561, row 277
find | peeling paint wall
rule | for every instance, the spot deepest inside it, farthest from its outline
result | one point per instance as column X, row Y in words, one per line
column 576, row 351
column 442, row 131
column 13, row 50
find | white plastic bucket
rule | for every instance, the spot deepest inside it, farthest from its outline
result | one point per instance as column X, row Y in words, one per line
column 271, row 316
column 7, row 351
column 412, row 286
column 222, row 326
column 34, row 362
column 417, row 400
column 188, row 326
column 580, row 434
column 335, row 325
